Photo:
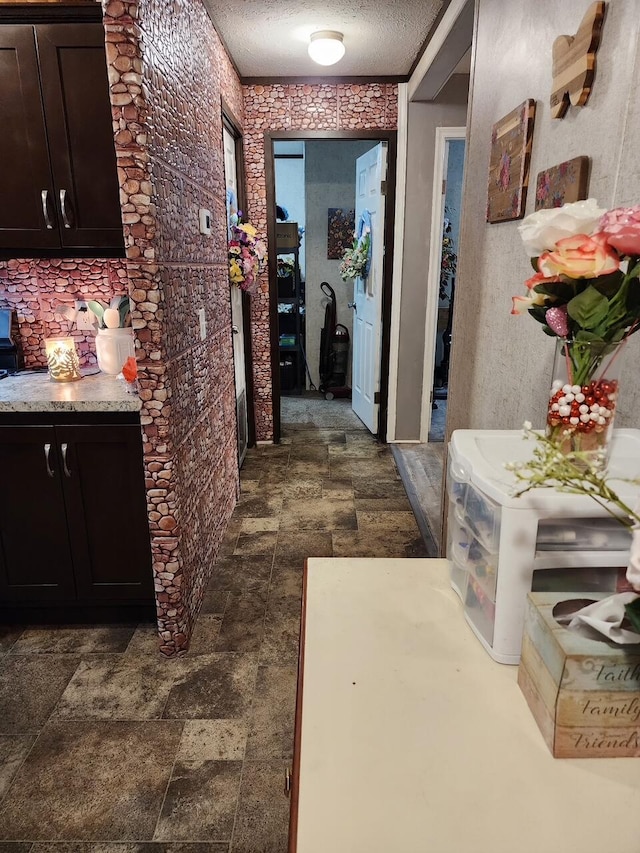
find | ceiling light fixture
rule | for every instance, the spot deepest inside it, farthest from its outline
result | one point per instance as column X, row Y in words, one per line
column 326, row 47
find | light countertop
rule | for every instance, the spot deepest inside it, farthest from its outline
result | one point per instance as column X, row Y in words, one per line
column 95, row 392
column 414, row 740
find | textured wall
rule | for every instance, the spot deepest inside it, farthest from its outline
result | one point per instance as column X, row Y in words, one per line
column 297, row 107
column 34, row 288
column 290, row 195
column 167, row 72
column 449, row 111
column 501, row 364
column 185, row 73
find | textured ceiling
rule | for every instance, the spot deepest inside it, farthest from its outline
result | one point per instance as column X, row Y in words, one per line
column 269, row 38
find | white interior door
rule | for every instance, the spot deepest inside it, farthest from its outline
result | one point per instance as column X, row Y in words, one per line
column 371, row 170
column 231, row 178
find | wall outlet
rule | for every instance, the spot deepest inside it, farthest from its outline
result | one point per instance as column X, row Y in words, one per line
column 203, row 323
column 84, row 317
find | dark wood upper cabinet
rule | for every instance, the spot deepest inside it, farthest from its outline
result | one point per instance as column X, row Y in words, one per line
column 26, row 185
column 59, row 188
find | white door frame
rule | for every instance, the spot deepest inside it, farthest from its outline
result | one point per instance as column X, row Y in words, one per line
column 443, row 134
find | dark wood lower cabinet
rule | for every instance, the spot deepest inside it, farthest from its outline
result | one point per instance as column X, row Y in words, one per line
column 73, row 519
column 35, row 553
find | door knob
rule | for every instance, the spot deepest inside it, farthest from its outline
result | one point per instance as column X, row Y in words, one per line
column 352, row 305
column 235, row 329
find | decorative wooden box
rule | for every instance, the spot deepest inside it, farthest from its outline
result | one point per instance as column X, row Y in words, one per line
column 584, row 694
column 287, row 236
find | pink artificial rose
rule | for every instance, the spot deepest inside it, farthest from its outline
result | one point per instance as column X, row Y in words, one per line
column 540, row 278
column 523, row 303
column 621, row 227
column 580, row 257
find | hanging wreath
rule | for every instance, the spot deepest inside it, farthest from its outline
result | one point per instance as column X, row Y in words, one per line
column 356, row 261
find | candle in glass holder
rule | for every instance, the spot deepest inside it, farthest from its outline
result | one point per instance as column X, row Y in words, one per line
column 62, row 359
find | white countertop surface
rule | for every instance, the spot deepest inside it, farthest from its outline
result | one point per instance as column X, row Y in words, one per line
column 95, row 392
column 415, row 741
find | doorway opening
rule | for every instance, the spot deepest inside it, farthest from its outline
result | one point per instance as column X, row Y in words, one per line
column 329, row 336
column 447, row 204
column 240, row 300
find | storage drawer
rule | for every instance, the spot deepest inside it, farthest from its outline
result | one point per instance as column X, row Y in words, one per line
column 457, row 544
column 483, row 517
column 459, row 577
column 582, row 534
column 457, row 479
column 458, row 536
column 483, row 565
column 479, row 610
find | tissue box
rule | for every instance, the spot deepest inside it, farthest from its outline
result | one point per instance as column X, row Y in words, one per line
column 584, row 694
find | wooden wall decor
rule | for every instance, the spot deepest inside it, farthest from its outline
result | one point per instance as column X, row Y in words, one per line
column 566, row 182
column 511, row 140
column 574, row 62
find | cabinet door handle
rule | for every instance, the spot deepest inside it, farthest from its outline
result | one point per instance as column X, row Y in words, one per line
column 47, row 451
column 44, row 197
column 63, row 209
column 64, row 448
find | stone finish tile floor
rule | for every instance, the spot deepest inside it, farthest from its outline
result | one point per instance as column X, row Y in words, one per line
column 107, row 747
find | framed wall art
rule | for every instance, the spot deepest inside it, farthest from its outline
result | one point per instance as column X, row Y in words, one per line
column 511, row 141
column 341, row 225
column 566, row 182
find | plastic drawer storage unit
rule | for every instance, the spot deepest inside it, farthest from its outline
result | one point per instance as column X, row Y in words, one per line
column 501, row 546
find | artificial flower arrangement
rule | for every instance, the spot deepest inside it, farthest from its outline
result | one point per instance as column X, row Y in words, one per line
column 355, row 261
column 247, row 255
column 115, row 315
column 577, row 473
column 585, row 291
column 285, row 267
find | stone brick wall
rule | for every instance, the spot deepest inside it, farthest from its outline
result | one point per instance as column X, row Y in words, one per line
column 167, row 72
column 189, row 395
column 297, row 107
column 34, row 288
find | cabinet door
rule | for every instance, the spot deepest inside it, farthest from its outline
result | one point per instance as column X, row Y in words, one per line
column 35, row 554
column 75, row 90
column 27, row 210
column 106, row 511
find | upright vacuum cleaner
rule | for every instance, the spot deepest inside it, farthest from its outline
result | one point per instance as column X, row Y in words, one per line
column 334, row 350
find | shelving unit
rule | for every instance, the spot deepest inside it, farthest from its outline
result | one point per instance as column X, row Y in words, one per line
column 290, row 311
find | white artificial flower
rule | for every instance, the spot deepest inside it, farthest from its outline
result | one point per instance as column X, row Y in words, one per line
column 541, row 230
column 633, row 569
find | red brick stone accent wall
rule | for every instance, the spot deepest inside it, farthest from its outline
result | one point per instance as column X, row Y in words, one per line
column 167, row 72
column 297, row 107
column 34, row 288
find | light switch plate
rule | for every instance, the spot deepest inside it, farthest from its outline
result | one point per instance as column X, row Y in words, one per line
column 203, row 323
column 204, row 217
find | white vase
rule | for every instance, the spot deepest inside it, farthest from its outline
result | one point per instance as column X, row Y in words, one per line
column 113, row 348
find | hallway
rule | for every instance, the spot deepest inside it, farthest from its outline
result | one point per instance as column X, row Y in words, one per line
column 103, row 741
